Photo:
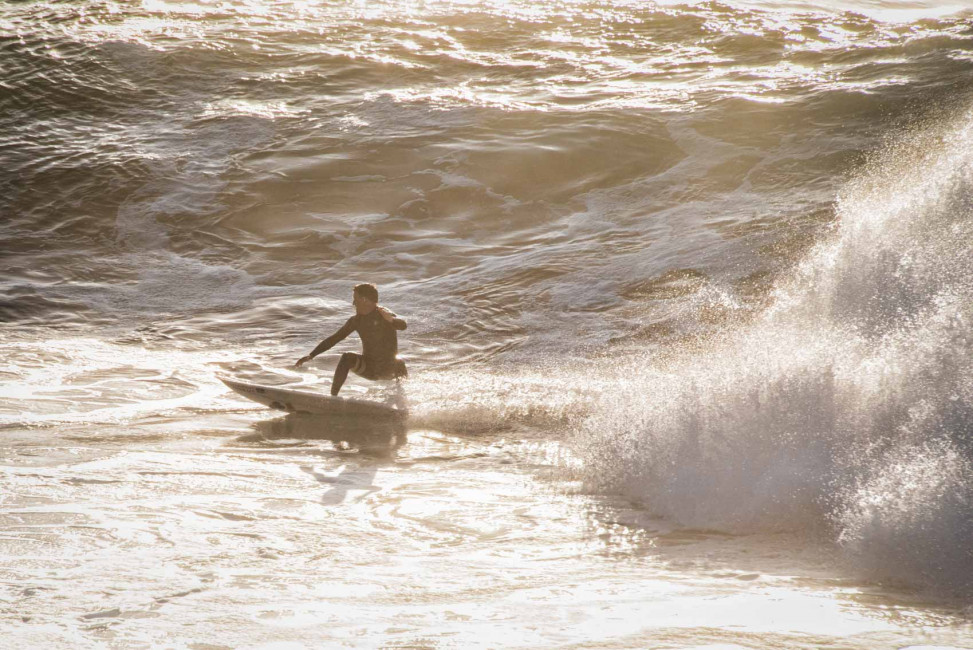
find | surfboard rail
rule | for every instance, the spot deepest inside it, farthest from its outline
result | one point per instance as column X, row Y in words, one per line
column 300, row 401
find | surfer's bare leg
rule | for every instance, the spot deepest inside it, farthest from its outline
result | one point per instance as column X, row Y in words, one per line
column 349, row 361
column 400, row 371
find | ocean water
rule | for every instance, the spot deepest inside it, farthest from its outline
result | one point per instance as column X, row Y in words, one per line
column 689, row 301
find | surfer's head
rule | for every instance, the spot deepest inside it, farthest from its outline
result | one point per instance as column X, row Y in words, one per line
column 365, row 298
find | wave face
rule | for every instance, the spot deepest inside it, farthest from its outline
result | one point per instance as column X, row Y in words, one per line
column 680, row 232
column 577, row 171
column 847, row 407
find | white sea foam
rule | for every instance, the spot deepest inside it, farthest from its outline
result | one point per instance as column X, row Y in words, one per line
column 539, row 189
column 849, row 405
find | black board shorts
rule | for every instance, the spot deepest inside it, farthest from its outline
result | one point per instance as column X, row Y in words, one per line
column 378, row 371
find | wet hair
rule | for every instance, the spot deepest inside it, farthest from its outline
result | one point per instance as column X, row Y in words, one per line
column 367, row 290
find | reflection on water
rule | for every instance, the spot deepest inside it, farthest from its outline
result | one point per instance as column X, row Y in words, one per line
column 348, row 478
column 365, row 541
column 378, row 439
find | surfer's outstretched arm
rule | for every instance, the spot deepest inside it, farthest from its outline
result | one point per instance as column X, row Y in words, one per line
column 329, row 342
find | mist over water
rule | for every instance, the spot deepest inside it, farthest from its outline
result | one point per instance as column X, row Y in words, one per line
column 844, row 408
column 709, row 259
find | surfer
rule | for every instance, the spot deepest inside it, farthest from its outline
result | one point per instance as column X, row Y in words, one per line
column 376, row 327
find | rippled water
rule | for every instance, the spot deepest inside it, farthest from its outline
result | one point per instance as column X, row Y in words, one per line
column 688, row 302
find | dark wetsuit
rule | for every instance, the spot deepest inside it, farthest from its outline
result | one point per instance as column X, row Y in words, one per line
column 379, row 342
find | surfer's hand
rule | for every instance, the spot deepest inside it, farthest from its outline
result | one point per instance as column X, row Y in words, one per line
column 302, row 361
column 384, row 313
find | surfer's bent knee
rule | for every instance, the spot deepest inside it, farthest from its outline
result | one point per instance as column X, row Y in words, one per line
column 352, row 361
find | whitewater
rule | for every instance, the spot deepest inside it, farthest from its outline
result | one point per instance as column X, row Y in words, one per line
column 689, row 302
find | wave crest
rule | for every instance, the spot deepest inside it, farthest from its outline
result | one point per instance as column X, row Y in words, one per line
column 848, row 406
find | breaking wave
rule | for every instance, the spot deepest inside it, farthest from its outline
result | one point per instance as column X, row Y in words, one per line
column 846, row 409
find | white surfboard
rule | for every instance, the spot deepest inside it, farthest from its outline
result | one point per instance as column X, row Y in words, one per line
column 299, row 401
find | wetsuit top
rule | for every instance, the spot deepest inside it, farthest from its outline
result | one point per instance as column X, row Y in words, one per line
column 379, row 340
